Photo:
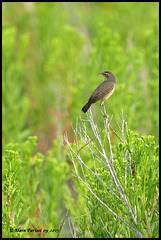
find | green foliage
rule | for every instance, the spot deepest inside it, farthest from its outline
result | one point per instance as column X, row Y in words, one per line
column 15, row 103
column 141, row 188
column 70, row 43
column 55, row 175
column 67, row 51
column 13, row 211
column 51, row 56
column 33, row 198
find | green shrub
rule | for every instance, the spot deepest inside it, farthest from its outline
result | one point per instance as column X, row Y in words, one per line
column 121, row 183
column 33, row 198
column 52, row 54
column 13, row 210
column 15, row 102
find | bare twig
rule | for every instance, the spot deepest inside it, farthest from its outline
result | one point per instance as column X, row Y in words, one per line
column 72, row 228
column 106, row 228
column 89, row 141
column 116, row 134
column 62, row 224
column 154, row 205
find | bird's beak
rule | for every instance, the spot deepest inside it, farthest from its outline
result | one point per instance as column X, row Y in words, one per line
column 99, row 73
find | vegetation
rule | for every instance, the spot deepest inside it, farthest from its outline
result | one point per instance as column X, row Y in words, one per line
column 51, row 56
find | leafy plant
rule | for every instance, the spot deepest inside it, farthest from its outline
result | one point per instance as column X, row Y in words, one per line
column 33, row 198
column 122, row 185
column 15, row 102
column 51, row 56
column 13, row 210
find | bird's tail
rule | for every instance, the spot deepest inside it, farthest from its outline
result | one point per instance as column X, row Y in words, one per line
column 86, row 107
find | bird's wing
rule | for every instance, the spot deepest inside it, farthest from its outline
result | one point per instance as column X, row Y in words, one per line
column 102, row 90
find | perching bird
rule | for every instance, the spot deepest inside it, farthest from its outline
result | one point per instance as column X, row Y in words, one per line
column 103, row 91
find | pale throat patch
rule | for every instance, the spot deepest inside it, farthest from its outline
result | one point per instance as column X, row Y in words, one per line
column 108, row 95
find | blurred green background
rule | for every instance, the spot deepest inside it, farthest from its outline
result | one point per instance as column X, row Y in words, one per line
column 51, row 56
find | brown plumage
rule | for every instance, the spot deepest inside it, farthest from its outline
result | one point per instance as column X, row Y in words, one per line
column 103, row 91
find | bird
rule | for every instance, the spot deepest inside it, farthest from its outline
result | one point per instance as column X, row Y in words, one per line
column 103, row 91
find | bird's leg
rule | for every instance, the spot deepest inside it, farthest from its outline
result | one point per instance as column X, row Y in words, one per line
column 102, row 104
column 104, row 110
